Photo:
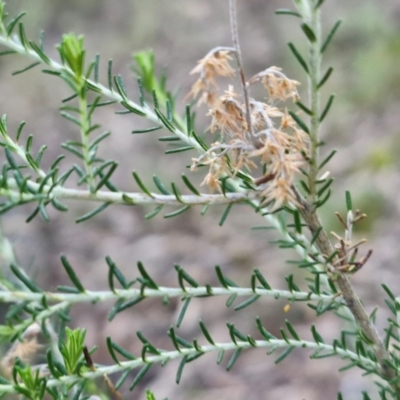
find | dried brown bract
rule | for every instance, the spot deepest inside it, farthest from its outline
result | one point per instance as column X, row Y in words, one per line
column 347, row 251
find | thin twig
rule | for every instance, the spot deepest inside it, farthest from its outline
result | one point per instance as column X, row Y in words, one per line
column 309, row 212
column 236, row 45
column 125, row 198
column 353, row 302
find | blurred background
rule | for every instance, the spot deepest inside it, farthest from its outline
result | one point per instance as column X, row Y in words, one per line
column 364, row 126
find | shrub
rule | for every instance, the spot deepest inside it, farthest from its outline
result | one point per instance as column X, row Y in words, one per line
column 262, row 153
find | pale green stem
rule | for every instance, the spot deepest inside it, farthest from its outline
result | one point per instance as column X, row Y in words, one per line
column 98, row 296
column 85, row 127
column 314, row 100
column 210, row 348
column 307, row 208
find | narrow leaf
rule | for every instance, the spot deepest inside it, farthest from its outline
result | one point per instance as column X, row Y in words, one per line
column 206, row 333
column 58, row 205
column 111, row 350
column 177, row 193
column 183, row 312
column 139, row 376
column 7, row 52
column 30, row 66
column 284, row 354
column 262, row 280
column 325, row 77
column 119, row 83
column 299, row 122
column 321, row 202
column 327, row 159
column 154, row 128
column 150, row 282
column 186, row 276
column 11, row 25
column 164, row 120
column 179, row 149
column 349, row 203
column 304, row 108
column 283, row 11
column 92, row 213
column 324, row 187
column 39, row 52
column 231, row 300
column 233, row 359
column 71, row 274
column 141, row 93
column 106, row 177
column 190, row 185
column 122, row 379
column 297, row 222
column 220, row 356
column 99, row 139
column 180, row 369
column 24, row 279
column 169, row 139
column 189, row 127
column 225, row 214
column 109, row 75
column 317, row 337
column 160, row 186
column 308, row 32
column 153, row 213
column 389, row 292
column 133, row 109
column 71, row 118
column 246, row 303
column 168, row 107
column 141, row 184
column 298, row 57
column 114, row 270
column 43, row 211
column 327, row 107
column 330, row 36
column 292, row 330
column 177, row 212
column 305, row 187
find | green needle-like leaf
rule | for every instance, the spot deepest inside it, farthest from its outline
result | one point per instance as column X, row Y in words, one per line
column 284, row 354
column 72, row 275
column 139, row 376
column 24, row 279
column 141, row 184
column 330, row 36
column 298, row 57
column 92, row 213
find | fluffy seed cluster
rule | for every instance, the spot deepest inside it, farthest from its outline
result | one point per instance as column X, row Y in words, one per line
column 273, row 143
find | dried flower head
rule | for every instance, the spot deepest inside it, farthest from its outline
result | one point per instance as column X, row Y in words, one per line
column 278, row 85
column 227, row 114
column 215, row 63
column 275, row 142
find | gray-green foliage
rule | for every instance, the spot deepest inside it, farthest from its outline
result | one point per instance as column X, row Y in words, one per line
column 68, row 370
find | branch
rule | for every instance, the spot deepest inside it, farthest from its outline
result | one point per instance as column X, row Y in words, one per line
column 351, row 299
column 238, row 53
column 126, row 198
column 13, row 43
column 95, row 296
column 165, row 356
